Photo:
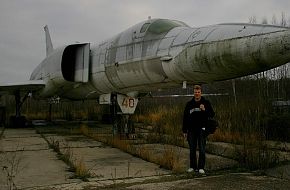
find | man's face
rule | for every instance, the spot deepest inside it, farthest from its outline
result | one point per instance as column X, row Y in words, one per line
column 197, row 94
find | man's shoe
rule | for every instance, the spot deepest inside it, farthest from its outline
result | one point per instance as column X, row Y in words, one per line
column 189, row 170
column 201, row 171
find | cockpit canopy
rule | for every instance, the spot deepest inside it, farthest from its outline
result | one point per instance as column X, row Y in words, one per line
column 159, row 26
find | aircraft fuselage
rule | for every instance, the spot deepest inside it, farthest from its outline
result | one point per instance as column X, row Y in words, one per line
column 160, row 53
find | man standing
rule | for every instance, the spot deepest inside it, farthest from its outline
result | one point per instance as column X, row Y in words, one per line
column 196, row 114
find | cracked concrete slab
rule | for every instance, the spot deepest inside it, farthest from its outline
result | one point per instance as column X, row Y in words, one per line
column 282, row 172
column 213, row 162
column 111, row 163
column 19, row 133
column 103, row 161
column 23, row 143
column 36, row 168
column 22, row 139
column 75, row 141
column 26, row 156
column 226, row 182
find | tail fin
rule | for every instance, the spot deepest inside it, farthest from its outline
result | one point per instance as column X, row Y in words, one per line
column 49, row 47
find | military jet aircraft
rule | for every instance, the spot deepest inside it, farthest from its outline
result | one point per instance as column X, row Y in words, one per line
column 151, row 55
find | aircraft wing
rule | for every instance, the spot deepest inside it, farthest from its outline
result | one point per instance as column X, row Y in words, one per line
column 22, row 87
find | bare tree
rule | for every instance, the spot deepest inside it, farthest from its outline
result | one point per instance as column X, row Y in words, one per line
column 264, row 20
column 253, row 20
column 274, row 20
column 283, row 19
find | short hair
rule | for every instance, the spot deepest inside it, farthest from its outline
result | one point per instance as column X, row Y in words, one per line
column 196, row 87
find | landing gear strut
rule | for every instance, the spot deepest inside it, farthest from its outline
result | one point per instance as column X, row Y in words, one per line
column 18, row 120
column 122, row 123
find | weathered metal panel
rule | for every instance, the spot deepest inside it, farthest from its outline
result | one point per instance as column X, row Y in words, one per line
column 121, row 54
column 102, row 57
column 223, row 32
column 151, row 47
column 111, row 55
column 183, row 36
column 129, row 51
column 162, row 52
column 96, row 66
column 112, row 47
column 200, row 34
column 135, row 73
column 171, row 72
column 165, row 43
column 153, row 70
column 175, row 50
column 101, row 83
column 95, row 55
column 103, row 50
column 126, row 38
column 230, row 31
column 137, row 52
column 126, row 74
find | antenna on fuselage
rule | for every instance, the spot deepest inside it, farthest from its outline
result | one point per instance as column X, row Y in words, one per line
column 49, row 47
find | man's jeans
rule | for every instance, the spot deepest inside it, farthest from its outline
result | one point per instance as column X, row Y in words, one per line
column 194, row 138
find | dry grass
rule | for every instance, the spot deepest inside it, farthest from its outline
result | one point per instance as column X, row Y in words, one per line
column 84, row 129
column 144, row 153
column 169, row 158
column 257, row 156
column 11, row 164
column 38, row 115
column 140, row 118
column 67, row 156
column 241, row 124
column 233, row 137
column 81, row 170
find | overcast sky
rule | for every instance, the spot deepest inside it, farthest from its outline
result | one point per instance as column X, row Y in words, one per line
column 22, row 41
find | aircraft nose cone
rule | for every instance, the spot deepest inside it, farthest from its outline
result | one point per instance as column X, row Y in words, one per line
column 286, row 43
column 231, row 58
column 275, row 48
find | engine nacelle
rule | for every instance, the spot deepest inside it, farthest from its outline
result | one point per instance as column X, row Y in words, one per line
column 63, row 68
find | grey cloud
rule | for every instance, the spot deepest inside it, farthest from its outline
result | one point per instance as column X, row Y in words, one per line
column 22, row 44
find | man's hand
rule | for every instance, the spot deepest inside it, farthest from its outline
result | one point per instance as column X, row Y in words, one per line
column 185, row 135
column 202, row 107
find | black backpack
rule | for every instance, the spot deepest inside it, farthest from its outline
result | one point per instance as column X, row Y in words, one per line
column 211, row 126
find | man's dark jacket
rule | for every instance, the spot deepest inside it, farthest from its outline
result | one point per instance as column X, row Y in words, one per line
column 193, row 118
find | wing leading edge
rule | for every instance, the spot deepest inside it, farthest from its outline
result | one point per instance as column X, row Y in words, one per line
column 22, row 87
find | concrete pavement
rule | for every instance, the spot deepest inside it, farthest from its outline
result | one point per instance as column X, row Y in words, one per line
column 32, row 164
